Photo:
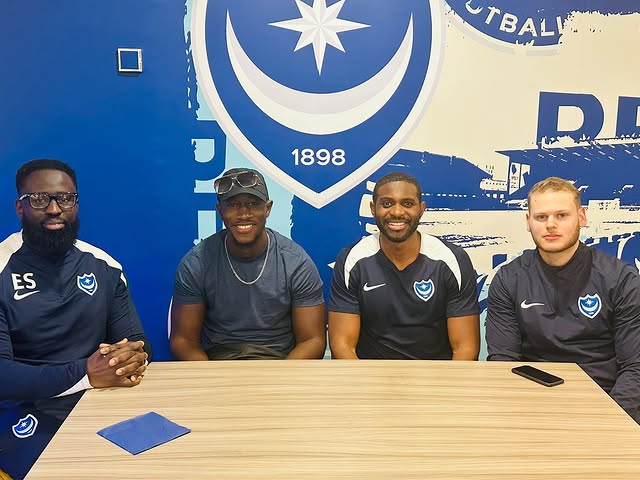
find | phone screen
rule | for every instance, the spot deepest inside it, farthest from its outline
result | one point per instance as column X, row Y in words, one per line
column 537, row 375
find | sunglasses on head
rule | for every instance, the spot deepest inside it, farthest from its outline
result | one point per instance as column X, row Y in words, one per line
column 244, row 179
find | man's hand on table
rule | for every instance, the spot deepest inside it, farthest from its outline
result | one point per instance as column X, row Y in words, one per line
column 120, row 364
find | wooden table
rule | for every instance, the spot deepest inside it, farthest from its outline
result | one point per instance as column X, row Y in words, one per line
column 354, row 420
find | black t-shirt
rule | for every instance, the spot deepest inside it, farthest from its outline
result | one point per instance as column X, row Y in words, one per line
column 403, row 313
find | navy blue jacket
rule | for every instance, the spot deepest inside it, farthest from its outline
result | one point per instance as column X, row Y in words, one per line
column 53, row 316
column 55, row 313
column 587, row 312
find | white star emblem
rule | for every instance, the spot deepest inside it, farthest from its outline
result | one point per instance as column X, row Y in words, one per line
column 319, row 25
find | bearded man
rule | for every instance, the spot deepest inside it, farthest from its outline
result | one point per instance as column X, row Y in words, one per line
column 67, row 321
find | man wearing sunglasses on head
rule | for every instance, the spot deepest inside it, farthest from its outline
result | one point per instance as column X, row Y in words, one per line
column 246, row 292
column 67, row 321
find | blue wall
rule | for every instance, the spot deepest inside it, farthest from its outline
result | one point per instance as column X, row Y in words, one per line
column 146, row 145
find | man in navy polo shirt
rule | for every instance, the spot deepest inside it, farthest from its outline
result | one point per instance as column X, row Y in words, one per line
column 67, row 321
column 403, row 294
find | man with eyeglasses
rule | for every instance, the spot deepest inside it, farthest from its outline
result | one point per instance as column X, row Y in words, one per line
column 67, row 321
column 246, row 292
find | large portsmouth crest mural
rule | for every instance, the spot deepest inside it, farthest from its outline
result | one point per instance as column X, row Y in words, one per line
column 478, row 99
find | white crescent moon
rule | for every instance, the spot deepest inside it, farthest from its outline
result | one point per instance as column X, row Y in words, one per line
column 316, row 198
column 319, row 113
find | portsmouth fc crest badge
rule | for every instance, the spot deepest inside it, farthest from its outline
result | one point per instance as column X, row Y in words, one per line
column 424, row 289
column 25, row 427
column 317, row 93
column 87, row 283
column 590, row 305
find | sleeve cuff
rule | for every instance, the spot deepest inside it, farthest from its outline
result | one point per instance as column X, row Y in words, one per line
column 83, row 384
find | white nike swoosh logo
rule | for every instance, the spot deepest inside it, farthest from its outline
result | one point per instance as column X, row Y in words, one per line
column 525, row 305
column 20, row 296
column 367, row 288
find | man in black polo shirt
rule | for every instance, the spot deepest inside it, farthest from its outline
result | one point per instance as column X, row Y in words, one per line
column 401, row 293
column 566, row 302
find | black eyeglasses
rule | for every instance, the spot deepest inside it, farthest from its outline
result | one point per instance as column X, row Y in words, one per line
column 244, row 179
column 41, row 200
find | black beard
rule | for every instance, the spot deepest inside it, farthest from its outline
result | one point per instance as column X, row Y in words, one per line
column 50, row 243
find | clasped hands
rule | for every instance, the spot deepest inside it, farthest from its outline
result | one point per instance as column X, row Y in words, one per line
column 120, row 364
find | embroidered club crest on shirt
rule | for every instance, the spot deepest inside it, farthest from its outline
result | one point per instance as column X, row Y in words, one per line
column 424, row 289
column 25, row 427
column 88, row 283
column 590, row 305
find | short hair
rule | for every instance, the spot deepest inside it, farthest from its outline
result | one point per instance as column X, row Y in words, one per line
column 43, row 164
column 397, row 177
column 555, row 184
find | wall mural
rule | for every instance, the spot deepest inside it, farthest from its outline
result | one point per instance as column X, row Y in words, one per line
column 478, row 99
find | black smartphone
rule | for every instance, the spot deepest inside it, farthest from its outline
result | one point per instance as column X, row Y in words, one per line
column 537, row 375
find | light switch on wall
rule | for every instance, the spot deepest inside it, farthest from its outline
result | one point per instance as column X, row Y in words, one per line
column 129, row 60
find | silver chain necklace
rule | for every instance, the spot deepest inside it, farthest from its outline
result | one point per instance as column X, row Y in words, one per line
column 266, row 257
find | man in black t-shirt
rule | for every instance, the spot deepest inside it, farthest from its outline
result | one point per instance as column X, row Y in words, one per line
column 402, row 294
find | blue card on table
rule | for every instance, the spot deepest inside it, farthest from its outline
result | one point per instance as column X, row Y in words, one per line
column 143, row 432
